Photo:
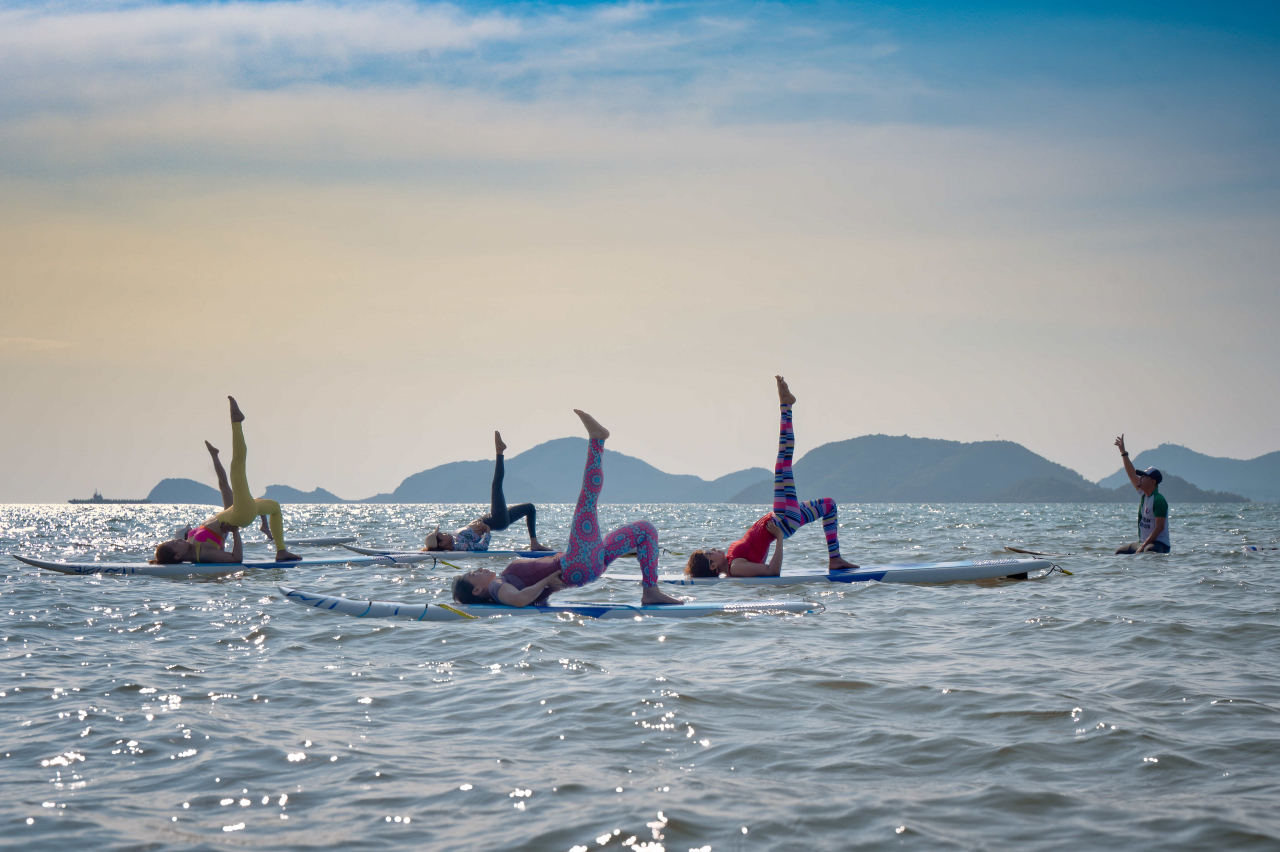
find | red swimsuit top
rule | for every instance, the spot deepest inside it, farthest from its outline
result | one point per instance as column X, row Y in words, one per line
column 754, row 546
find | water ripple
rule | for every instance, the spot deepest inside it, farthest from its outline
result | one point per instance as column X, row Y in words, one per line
column 1133, row 705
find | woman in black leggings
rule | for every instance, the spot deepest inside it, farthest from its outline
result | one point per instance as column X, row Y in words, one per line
column 475, row 535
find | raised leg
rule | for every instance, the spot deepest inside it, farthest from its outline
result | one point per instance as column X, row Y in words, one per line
column 785, row 503
column 583, row 557
column 498, row 518
column 219, row 471
column 243, row 508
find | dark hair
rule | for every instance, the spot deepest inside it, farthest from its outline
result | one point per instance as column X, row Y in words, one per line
column 699, row 565
column 465, row 592
column 166, row 555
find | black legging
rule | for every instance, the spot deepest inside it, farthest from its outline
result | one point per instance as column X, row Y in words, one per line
column 501, row 515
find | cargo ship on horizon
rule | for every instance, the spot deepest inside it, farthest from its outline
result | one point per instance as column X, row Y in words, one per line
column 98, row 499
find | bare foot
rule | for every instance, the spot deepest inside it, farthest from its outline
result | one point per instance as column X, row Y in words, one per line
column 237, row 416
column 497, row 443
column 594, row 430
column 839, row 564
column 213, row 451
column 654, row 595
column 286, row 556
column 536, row 546
column 266, row 528
column 785, row 396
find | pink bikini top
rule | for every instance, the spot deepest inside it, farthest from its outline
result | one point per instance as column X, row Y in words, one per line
column 201, row 534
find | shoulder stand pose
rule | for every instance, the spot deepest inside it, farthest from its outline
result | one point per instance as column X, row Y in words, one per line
column 745, row 557
column 1153, row 509
column 206, row 542
column 531, row 581
column 475, row 535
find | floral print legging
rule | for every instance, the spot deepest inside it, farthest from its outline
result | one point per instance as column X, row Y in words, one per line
column 587, row 555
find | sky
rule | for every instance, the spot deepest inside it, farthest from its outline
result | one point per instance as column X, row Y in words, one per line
column 389, row 228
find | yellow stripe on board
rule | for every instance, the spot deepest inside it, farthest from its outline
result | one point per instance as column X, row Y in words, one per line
column 456, row 611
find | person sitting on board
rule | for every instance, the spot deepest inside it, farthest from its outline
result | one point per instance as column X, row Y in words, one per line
column 528, row 582
column 207, row 542
column 1153, row 509
column 475, row 535
column 746, row 556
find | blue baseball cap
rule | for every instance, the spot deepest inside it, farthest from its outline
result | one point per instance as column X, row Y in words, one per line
column 1153, row 473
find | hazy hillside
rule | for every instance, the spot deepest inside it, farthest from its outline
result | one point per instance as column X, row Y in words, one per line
column 552, row 473
column 898, row 469
column 286, row 494
column 185, row 491
column 888, row 469
column 870, row 469
column 1257, row 479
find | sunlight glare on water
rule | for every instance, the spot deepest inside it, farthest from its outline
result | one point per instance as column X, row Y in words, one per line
column 1134, row 704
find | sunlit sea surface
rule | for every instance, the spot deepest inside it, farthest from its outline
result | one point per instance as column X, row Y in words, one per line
column 1133, row 705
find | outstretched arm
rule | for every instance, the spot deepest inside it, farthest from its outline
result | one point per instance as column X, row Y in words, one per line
column 1128, row 465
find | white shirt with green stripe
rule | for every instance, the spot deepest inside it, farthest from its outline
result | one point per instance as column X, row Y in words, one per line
column 1150, row 508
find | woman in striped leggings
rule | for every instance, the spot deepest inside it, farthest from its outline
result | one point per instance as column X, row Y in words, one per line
column 531, row 581
column 746, row 556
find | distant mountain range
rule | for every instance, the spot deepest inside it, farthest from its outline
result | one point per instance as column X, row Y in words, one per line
column 893, row 469
column 552, row 473
column 870, row 469
column 548, row 473
column 1258, row 479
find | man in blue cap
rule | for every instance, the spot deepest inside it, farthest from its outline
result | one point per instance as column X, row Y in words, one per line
column 1153, row 509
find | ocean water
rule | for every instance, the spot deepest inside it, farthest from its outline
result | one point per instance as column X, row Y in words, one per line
column 1132, row 705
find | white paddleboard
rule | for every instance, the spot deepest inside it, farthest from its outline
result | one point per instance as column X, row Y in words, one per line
column 313, row 542
column 462, row 612
column 937, row 572
column 407, row 556
column 182, row 569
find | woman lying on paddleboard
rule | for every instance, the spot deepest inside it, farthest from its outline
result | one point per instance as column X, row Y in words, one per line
column 745, row 557
column 224, row 487
column 475, row 535
column 531, row 581
column 206, row 542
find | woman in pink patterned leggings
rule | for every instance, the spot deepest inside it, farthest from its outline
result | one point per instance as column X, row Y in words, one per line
column 531, row 581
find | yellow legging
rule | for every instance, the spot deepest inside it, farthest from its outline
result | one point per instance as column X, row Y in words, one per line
column 244, row 508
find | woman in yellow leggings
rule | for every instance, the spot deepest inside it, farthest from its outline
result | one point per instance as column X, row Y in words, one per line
column 206, row 542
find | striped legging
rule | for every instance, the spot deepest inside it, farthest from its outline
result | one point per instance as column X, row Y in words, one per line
column 789, row 513
column 587, row 557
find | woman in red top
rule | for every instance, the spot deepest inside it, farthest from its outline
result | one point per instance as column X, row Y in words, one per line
column 746, row 556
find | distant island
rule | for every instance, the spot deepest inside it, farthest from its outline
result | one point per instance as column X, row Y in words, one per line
column 869, row 469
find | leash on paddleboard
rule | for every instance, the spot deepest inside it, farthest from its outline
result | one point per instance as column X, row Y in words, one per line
column 1060, row 568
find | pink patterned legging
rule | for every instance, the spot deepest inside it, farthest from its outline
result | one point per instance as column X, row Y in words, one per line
column 587, row 556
